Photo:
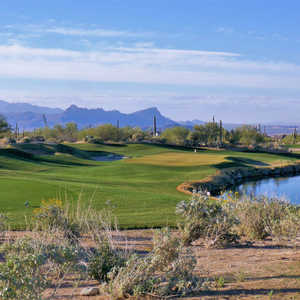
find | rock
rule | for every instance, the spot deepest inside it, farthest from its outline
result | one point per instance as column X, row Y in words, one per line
column 90, row 291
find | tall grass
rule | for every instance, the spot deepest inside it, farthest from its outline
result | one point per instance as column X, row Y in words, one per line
column 37, row 266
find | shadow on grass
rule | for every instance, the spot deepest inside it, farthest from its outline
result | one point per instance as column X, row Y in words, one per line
column 246, row 161
column 29, row 157
column 172, row 147
column 114, row 145
column 39, row 148
column 234, row 162
column 47, row 149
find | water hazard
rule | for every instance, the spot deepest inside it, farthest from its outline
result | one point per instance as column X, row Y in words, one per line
column 287, row 187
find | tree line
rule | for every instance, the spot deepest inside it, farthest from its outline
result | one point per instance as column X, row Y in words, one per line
column 208, row 134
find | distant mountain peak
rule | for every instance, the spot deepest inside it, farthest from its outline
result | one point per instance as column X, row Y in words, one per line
column 21, row 107
column 72, row 107
column 31, row 116
column 75, row 108
column 154, row 111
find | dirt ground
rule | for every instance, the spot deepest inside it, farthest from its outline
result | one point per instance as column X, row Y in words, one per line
column 264, row 270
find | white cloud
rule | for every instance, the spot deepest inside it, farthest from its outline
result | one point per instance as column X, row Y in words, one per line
column 147, row 65
column 13, row 51
column 93, row 32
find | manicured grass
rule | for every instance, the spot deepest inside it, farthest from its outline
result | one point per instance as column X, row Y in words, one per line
column 141, row 189
column 179, row 159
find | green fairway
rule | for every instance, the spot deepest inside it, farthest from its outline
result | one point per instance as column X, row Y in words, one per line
column 141, row 188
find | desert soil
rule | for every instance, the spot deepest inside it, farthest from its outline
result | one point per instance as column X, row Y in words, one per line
column 264, row 270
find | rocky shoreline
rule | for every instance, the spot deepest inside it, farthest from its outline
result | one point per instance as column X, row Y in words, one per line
column 228, row 178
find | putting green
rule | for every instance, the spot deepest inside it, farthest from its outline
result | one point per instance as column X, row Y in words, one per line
column 180, row 159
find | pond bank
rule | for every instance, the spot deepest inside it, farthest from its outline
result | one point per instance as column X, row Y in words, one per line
column 227, row 178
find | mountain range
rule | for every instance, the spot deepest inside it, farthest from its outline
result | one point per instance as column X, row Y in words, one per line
column 30, row 116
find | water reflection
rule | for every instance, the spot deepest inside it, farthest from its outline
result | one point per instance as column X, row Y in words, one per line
column 286, row 187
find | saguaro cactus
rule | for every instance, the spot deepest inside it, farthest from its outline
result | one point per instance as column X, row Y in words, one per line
column 154, row 126
column 221, row 133
column 295, row 135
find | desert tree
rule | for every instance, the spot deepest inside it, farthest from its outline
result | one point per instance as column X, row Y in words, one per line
column 4, row 126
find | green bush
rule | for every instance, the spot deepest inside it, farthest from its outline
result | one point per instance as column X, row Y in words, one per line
column 102, row 261
column 21, row 275
column 206, row 219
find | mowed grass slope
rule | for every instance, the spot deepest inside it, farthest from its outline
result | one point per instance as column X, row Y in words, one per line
column 141, row 190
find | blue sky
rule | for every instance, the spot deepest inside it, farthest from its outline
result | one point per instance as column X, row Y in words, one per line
column 237, row 60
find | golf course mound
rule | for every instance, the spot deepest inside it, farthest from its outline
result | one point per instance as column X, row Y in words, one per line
column 141, row 190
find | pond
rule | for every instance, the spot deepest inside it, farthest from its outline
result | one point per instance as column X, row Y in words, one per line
column 287, row 187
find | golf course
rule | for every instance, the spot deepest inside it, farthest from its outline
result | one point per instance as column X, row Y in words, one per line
column 139, row 189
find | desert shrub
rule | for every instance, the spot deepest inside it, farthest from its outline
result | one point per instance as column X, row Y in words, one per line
column 31, row 265
column 166, row 270
column 52, row 215
column 20, row 277
column 20, row 274
column 100, row 227
column 103, row 260
column 207, row 219
column 287, row 227
column 261, row 217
